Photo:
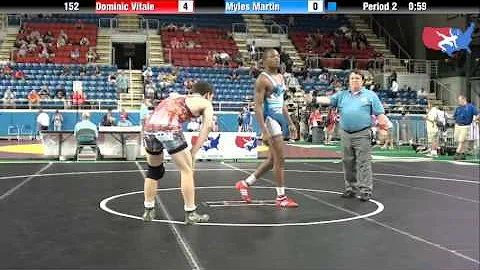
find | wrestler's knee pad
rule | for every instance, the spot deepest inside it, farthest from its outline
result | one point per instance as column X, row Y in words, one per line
column 155, row 173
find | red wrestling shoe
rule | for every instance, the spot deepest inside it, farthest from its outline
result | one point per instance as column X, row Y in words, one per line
column 284, row 201
column 242, row 187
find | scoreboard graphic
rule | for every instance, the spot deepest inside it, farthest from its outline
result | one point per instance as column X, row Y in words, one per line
column 246, row 7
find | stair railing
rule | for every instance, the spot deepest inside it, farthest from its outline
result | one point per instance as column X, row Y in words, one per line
column 391, row 43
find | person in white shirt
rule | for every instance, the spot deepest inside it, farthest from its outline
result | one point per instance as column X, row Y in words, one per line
column 43, row 121
column 394, row 88
column 433, row 114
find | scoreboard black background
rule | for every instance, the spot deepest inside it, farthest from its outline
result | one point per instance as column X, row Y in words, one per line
column 216, row 4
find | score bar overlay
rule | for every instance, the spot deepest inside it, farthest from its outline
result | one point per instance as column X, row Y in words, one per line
column 278, row 7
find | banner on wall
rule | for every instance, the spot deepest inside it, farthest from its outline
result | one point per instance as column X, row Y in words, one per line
column 219, row 145
column 225, row 145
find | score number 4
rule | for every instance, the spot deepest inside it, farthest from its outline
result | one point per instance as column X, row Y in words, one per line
column 185, row 6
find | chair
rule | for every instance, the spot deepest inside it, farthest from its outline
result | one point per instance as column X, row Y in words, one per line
column 86, row 138
column 13, row 130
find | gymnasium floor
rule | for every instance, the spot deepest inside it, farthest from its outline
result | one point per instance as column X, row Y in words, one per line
column 425, row 215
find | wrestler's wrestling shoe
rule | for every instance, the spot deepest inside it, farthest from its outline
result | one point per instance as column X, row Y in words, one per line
column 243, row 189
column 284, row 201
column 194, row 217
column 148, row 215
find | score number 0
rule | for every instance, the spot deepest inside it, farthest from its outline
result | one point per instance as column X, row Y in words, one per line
column 315, row 6
column 185, row 6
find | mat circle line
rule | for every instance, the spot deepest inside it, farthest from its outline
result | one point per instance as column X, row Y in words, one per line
column 380, row 208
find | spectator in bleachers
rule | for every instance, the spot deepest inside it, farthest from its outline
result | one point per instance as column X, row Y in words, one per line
column 393, row 77
column 22, row 51
column 44, row 93
column 78, row 98
column 108, row 119
column 210, row 59
column 422, row 93
column 234, row 75
column 238, row 59
column 254, row 70
column 291, row 21
column 48, row 38
column 19, row 75
column 186, row 28
column 82, row 71
column 147, row 75
column 66, row 70
column 44, row 52
column 57, row 120
column 60, row 92
column 63, row 36
column 75, row 55
column 149, row 91
column 122, row 82
column 171, row 27
column 61, row 42
column 112, row 78
column 252, row 49
column 9, row 98
column 84, row 41
column 79, row 25
column 91, row 55
column 188, row 85
column 98, row 71
column 7, row 70
column 394, row 88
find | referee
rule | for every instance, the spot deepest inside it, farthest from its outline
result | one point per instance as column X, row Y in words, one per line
column 356, row 107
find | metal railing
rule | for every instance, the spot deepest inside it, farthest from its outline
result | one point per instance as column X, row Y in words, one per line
column 107, row 23
column 149, row 24
column 442, row 91
column 92, row 104
column 239, row 28
column 13, row 20
column 275, row 28
column 228, row 106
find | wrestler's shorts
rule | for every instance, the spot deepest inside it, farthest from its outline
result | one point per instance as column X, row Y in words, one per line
column 172, row 140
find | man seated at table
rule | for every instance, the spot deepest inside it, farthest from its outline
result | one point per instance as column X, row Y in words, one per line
column 124, row 122
column 86, row 133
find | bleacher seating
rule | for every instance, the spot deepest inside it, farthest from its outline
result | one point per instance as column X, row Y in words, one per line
column 200, row 20
column 38, row 75
column 225, row 89
column 209, row 39
column 62, row 54
column 62, row 18
column 326, row 26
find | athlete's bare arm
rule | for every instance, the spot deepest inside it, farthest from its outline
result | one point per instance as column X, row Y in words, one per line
column 260, row 90
column 207, row 118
